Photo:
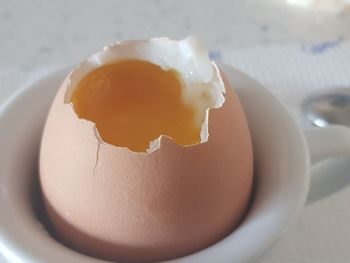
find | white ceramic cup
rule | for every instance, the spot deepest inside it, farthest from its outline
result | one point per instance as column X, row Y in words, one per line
column 282, row 174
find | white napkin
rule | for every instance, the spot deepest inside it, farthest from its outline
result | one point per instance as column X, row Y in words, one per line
column 322, row 232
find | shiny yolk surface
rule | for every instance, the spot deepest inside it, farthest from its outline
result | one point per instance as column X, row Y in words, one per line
column 133, row 102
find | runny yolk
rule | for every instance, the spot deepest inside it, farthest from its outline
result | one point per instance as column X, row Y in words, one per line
column 133, row 102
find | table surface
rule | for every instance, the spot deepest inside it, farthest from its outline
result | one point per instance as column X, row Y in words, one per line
column 37, row 33
column 41, row 34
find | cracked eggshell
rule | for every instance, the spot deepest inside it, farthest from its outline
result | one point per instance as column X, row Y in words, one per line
column 111, row 203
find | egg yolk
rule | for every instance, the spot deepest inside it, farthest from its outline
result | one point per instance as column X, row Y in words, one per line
column 133, row 102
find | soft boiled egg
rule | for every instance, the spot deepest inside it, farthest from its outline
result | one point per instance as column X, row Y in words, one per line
column 146, row 153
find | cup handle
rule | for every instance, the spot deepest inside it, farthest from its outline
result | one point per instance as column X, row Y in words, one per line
column 323, row 144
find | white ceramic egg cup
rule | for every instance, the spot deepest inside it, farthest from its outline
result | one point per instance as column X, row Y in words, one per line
column 282, row 174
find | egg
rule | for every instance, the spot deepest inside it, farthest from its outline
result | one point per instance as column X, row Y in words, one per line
column 146, row 153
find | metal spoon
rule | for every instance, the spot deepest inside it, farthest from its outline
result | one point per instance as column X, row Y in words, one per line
column 329, row 108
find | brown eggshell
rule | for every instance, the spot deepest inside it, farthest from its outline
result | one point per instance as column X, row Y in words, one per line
column 136, row 207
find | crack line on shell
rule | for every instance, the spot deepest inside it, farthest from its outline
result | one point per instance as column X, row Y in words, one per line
column 97, row 153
